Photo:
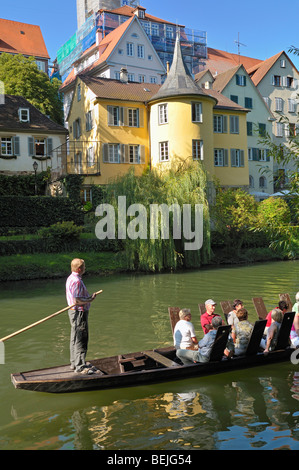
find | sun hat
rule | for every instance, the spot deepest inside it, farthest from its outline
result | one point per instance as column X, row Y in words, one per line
column 210, row 302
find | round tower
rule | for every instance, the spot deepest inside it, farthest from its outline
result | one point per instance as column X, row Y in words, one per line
column 181, row 116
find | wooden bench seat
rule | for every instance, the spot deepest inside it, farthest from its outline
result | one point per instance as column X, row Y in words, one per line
column 161, row 359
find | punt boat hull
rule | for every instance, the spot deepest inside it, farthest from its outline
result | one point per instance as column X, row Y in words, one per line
column 159, row 365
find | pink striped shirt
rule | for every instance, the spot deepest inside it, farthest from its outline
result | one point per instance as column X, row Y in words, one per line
column 75, row 287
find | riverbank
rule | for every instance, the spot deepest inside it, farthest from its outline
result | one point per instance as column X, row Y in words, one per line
column 51, row 266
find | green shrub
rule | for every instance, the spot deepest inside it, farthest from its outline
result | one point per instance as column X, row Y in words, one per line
column 35, row 211
column 60, row 233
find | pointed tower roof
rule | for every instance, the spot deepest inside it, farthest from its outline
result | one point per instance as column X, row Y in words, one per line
column 179, row 80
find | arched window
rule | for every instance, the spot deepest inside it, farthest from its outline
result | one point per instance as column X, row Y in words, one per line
column 251, row 181
column 262, row 182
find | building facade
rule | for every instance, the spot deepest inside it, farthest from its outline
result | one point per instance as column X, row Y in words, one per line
column 236, row 84
column 116, row 125
column 27, row 136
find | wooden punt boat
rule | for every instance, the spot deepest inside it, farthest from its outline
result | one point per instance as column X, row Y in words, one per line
column 158, row 365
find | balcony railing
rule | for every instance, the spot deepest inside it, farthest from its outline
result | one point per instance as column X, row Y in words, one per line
column 76, row 158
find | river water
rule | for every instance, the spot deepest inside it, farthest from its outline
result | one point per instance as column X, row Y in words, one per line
column 251, row 409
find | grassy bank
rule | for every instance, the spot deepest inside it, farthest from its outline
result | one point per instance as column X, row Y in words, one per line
column 50, row 266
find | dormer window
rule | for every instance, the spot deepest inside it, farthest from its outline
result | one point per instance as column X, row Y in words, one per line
column 24, row 115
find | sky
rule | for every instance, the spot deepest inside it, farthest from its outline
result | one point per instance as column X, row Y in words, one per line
column 265, row 27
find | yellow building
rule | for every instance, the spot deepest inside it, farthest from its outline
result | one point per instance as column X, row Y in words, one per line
column 188, row 123
column 117, row 124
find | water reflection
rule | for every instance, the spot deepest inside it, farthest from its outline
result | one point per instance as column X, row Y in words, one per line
column 257, row 411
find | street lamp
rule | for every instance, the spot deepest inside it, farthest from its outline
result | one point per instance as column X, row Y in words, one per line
column 35, row 166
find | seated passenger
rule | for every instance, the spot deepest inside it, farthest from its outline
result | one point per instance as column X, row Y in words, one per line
column 270, row 342
column 204, row 346
column 232, row 318
column 184, row 334
column 283, row 306
column 241, row 332
column 207, row 317
column 294, row 336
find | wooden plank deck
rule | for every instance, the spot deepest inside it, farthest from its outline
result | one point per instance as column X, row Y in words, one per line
column 161, row 359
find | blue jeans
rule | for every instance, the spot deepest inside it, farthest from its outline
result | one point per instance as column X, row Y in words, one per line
column 188, row 356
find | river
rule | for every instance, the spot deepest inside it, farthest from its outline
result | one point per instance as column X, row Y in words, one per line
column 251, row 409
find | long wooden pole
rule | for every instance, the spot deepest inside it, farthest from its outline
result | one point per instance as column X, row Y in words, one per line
column 41, row 321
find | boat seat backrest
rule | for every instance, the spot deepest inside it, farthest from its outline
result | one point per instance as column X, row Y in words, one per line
column 173, row 316
column 202, row 308
column 284, row 331
column 255, row 338
column 260, row 307
column 226, row 307
column 287, row 299
column 220, row 343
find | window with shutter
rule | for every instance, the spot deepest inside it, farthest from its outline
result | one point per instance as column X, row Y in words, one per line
column 16, row 145
column 249, row 128
column 49, row 146
column 30, row 146
column 234, row 124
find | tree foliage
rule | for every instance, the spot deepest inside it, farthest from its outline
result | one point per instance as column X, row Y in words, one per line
column 183, row 187
column 21, row 77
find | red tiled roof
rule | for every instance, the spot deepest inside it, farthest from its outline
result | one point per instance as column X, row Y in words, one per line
column 258, row 72
column 126, row 10
column 22, row 38
column 220, row 61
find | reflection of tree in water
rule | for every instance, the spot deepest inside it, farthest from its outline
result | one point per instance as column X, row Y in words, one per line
column 253, row 412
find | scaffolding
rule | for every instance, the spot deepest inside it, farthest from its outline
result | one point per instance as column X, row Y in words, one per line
column 162, row 36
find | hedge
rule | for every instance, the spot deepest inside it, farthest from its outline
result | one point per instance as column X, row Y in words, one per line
column 36, row 211
column 40, row 245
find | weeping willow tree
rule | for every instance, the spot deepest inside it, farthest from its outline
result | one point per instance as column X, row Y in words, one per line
column 151, row 246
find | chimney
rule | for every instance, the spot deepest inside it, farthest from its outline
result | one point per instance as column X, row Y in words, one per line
column 99, row 37
column 167, row 67
column 124, row 75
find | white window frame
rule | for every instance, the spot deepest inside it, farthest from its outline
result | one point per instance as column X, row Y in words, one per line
column 163, row 113
column 164, row 151
column 196, row 112
column 113, row 153
column 220, row 157
column 89, row 120
column 24, row 114
column 279, row 129
column 130, row 49
column 140, row 51
column 90, row 156
column 6, row 146
column 134, row 153
column 278, row 104
column 291, row 105
column 197, row 149
column 220, row 124
column 78, row 168
column 42, row 142
column 133, row 117
column 241, row 80
column 237, row 158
